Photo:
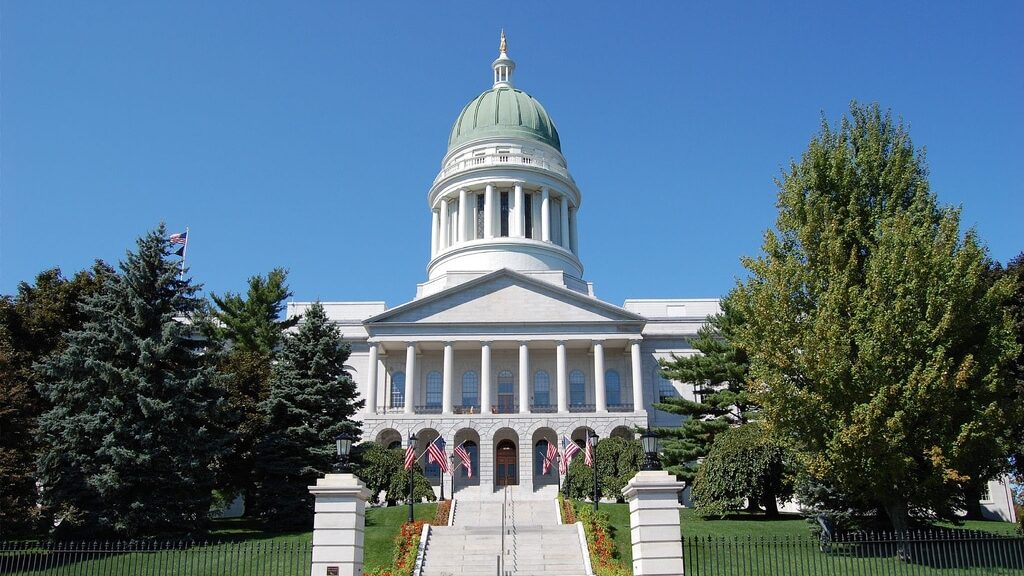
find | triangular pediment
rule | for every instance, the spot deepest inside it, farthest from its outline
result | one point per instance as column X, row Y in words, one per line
column 505, row 297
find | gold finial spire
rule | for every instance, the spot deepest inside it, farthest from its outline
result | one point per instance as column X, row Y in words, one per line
column 504, row 45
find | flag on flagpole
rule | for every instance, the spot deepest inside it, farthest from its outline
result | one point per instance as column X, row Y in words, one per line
column 550, row 457
column 588, row 454
column 179, row 238
column 180, row 251
column 436, row 455
column 569, row 450
column 410, row 457
column 467, row 462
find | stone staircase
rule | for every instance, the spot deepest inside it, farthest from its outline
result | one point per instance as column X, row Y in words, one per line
column 535, row 543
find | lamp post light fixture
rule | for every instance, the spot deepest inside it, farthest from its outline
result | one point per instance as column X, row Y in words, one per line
column 343, row 444
column 592, row 439
column 412, row 474
column 649, row 441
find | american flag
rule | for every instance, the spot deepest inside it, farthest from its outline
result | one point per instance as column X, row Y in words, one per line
column 410, row 457
column 588, row 454
column 467, row 462
column 550, row 457
column 569, row 449
column 436, row 455
column 179, row 238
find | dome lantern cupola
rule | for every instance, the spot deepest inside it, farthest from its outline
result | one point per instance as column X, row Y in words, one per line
column 503, row 66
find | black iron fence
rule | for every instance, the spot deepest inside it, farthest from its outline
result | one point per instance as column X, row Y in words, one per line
column 156, row 558
column 945, row 552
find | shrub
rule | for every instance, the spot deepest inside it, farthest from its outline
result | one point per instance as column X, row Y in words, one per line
column 600, row 545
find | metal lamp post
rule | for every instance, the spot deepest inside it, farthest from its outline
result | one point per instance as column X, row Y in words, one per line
column 412, row 474
column 592, row 438
column 343, row 445
column 649, row 441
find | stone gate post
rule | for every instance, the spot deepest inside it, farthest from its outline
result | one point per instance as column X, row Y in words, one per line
column 338, row 525
column 653, row 498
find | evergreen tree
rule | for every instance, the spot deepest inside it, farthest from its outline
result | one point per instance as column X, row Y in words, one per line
column 719, row 376
column 312, row 400
column 132, row 435
column 246, row 333
column 32, row 324
column 877, row 341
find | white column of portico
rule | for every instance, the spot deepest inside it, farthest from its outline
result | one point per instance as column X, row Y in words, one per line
column 485, row 377
column 524, row 378
column 434, row 223
column 371, row 380
column 489, row 211
column 565, row 222
column 520, row 230
column 410, row 375
column 443, row 235
column 638, row 388
column 545, row 214
column 446, row 380
column 561, row 378
column 600, row 393
column 463, row 215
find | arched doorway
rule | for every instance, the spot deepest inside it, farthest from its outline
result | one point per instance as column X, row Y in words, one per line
column 506, row 469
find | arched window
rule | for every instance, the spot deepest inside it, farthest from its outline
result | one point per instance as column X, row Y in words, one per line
column 612, row 387
column 434, row 389
column 474, row 456
column 506, row 392
column 398, row 390
column 577, row 388
column 665, row 388
column 470, row 389
column 541, row 388
column 540, row 454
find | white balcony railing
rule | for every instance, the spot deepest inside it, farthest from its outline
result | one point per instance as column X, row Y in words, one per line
column 502, row 159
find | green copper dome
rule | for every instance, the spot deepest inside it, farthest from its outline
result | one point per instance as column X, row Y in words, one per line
column 504, row 111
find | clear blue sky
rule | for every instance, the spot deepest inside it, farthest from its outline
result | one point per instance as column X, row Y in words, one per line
column 306, row 134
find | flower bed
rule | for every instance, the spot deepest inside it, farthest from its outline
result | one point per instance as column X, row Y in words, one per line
column 597, row 528
column 441, row 516
column 407, row 544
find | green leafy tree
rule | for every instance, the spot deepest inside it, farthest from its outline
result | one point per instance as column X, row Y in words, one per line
column 246, row 332
column 132, row 435
column 32, row 324
column 312, row 400
column 744, row 463
column 1014, row 273
column 618, row 460
column 877, row 342
column 719, row 375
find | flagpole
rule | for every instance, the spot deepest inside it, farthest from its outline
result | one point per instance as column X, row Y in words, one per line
column 184, row 253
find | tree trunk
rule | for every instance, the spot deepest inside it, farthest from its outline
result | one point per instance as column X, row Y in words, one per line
column 752, row 506
column 972, row 500
column 898, row 517
column 771, row 506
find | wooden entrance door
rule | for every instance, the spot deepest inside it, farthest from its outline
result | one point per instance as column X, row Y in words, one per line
column 505, row 464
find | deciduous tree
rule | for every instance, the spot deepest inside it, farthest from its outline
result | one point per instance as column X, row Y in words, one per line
column 744, row 463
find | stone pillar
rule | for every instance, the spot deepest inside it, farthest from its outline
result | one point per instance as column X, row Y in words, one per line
column 565, row 222
column 520, row 211
column 446, row 380
column 489, row 211
column 600, row 392
column 371, row 380
column 653, row 498
column 562, row 379
column 638, row 385
column 485, row 377
column 410, row 376
column 524, row 378
column 463, row 215
column 443, row 240
column 435, row 223
column 545, row 214
column 338, row 525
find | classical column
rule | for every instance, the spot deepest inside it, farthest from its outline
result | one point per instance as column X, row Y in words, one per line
column 638, row 388
column 545, row 214
column 524, row 378
column 463, row 215
column 434, row 224
column 339, row 522
column 410, row 376
column 565, row 222
column 485, row 377
column 446, row 379
column 600, row 393
column 371, row 380
column 562, row 379
column 520, row 230
column 574, row 239
column 489, row 211
column 443, row 234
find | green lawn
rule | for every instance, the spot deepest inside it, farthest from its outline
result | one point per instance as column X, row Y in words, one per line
column 382, row 526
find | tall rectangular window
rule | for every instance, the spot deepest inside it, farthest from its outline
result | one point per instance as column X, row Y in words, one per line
column 556, row 222
column 479, row 216
column 504, row 214
column 528, row 213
